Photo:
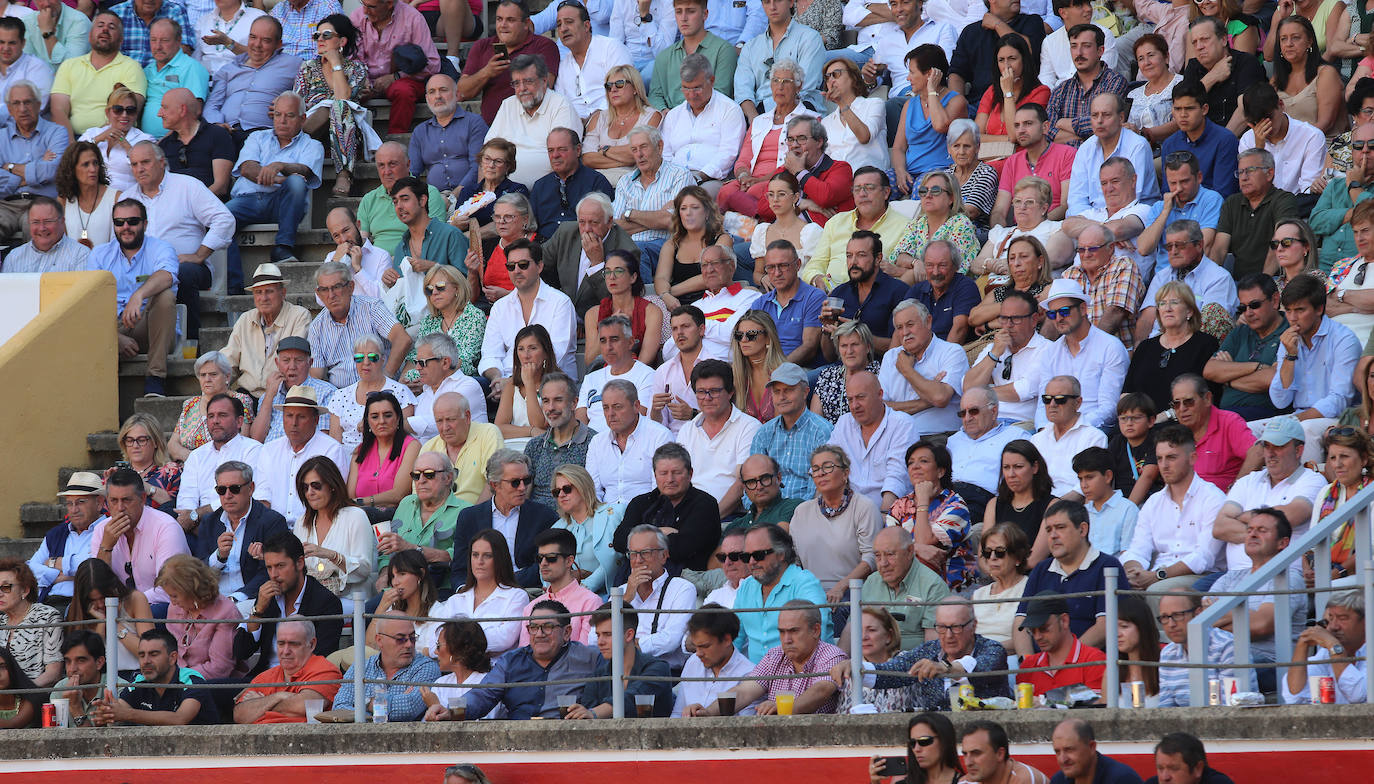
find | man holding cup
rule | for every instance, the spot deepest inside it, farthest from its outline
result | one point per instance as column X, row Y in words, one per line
column 712, row 635
column 800, row 650
column 644, row 699
column 297, row 663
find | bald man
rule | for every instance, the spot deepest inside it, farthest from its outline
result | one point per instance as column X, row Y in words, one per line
column 367, row 260
column 193, row 147
column 876, row 437
column 443, row 149
column 376, row 216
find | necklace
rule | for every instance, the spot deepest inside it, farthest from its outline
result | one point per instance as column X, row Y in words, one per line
column 84, row 218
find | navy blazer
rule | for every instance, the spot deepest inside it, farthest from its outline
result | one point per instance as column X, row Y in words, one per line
column 261, row 524
column 315, row 600
column 535, row 518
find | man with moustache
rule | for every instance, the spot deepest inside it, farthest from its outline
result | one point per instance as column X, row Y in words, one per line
column 526, row 117
column 583, row 60
column 564, row 442
column 869, row 294
column 443, row 148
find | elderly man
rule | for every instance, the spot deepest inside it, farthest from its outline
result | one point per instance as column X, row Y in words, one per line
column 868, row 293
column 298, row 662
column 1341, row 636
column 1176, row 609
column 1110, row 139
column 186, row 215
column 793, row 432
column 384, row 26
column 783, row 39
column 427, row 241
column 288, row 591
column 558, row 571
column 1248, row 217
column 149, row 702
column 717, row 57
column 139, row 16
column 1047, row 622
column 30, row 148
column 827, row 184
column 281, row 458
column 1224, row 72
column 900, row 577
column 290, row 368
column 396, row 660
column 801, row 649
column 568, row 182
column 489, row 73
column 376, row 214
column 724, row 301
column 583, row 60
column 56, row 33
column 731, row 571
column 921, row 374
column 1248, row 357
column 1071, row 118
column 720, row 437
column 576, row 250
column 650, row 587
column 1112, row 280
column 274, row 175
column 1066, row 434
column 1185, row 198
column 1209, row 282
column 65, row 546
column 368, row 262
column 193, row 147
column 1121, row 210
column 220, row 29
column 17, row 66
column 145, row 270
column 469, row 445
column 443, row 148
column 620, row 458
column 298, row 18
column 1036, row 156
column 134, row 538
column 527, row 117
column 687, row 516
column 976, row 447
column 243, row 91
column 1299, row 148
column 230, row 538
column 774, row 579
column 795, row 306
column 853, row 276
column 551, row 654
column 83, row 83
column 567, row 439
column 643, row 197
column 1211, row 144
column 437, row 357
column 257, row 335
column 1008, row 363
column 1083, row 351
column 674, row 376
column 1331, row 218
column 746, row 193
column 947, row 294
column 532, row 301
column 49, row 249
column 1074, row 566
column 346, row 317
column 1226, row 447
column 224, row 422
column 712, row 636
column 595, row 702
column 876, row 437
column 1080, row 762
column 169, row 68
column 426, row 519
column 510, row 512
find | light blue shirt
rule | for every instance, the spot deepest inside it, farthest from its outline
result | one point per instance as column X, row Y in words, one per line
column 263, row 147
column 633, row 194
column 229, row 580
column 39, row 174
column 759, row 630
column 1320, row 380
column 979, row 461
column 594, row 551
column 1085, row 185
column 155, row 255
column 737, row 21
column 77, row 550
column 598, row 10
column 181, row 71
column 1111, row 528
column 1205, row 209
column 1173, row 681
column 800, row 44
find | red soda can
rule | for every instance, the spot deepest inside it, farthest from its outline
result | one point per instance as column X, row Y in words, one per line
column 1327, row 690
column 49, row 715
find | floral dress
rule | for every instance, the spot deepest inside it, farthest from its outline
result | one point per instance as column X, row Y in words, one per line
column 166, row 476
column 344, row 135
column 951, row 525
column 957, row 229
column 192, row 420
column 467, row 331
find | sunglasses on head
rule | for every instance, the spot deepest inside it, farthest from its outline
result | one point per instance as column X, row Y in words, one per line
column 749, row 334
column 427, row 473
column 371, row 356
column 223, row 489
column 523, row 264
column 1058, row 400
column 135, row 221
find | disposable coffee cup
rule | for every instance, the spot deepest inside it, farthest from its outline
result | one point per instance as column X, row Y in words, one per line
column 458, row 708
column 313, row 708
column 381, row 529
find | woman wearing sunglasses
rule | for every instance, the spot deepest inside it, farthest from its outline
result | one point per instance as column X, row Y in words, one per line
column 340, row 548
column 1181, row 347
column 118, row 136
column 1004, row 553
column 450, row 311
column 379, row 474
column 346, row 406
column 936, row 516
column 1295, row 248
column 490, row 591
column 591, row 522
column 213, row 372
column 331, row 86
column 941, row 217
column 93, row 583
column 755, row 353
column 932, row 756
column 606, row 146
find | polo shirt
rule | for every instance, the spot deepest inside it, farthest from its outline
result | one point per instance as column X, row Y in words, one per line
column 1205, row 208
column 978, row 461
column 1216, row 153
column 89, row 87
column 1251, row 227
column 939, row 357
column 181, row 71
column 1111, row 527
column 1108, row 771
column 665, row 88
column 144, row 696
column 73, row 36
column 875, row 311
column 921, row 589
column 377, row 217
column 555, row 201
column 1222, row 449
column 828, row 258
column 196, row 158
column 1224, row 96
column 1059, row 452
column 958, row 300
column 792, row 449
column 436, row 532
column 1245, row 345
column 470, row 467
column 780, row 511
column 759, row 630
column 442, row 244
column 1049, row 575
column 1046, row 680
column 716, row 460
column 792, row 319
column 1055, row 165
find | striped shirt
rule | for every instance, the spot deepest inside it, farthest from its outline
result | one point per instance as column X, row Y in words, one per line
column 135, row 43
column 1117, row 285
column 1173, row 681
column 331, row 343
column 67, row 255
column 298, row 25
column 775, row 662
column 792, row 449
column 632, row 194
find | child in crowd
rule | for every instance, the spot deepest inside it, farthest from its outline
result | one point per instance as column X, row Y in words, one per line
column 1133, row 448
column 1111, row 517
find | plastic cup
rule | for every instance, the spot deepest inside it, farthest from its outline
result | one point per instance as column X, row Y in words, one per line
column 64, row 711
column 835, row 303
column 644, row 705
column 458, row 708
column 1228, row 687
column 565, row 703
column 381, row 529
column 725, row 702
column 189, row 349
column 785, row 700
column 313, row 708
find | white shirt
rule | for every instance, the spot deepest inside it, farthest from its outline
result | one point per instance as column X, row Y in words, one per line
column 1100, row 367
column 552, row 308
column 1023, row 364
column 230, row 577
column 724, row 596
column 1298, row 157
column 716, row 461
column 1255, row 490
column 670, row 378
column 116, row 159
column 855, row 11
column 1085, row 182
column 584, row 86
column 939, row 357
column 708, row 142
column 1059, row 452
column 891, row 45
column 643, row 40
column 1056, row 63
column 959, row 13
column 368, row 279
column 845, row 146
column 506, row 524
column 423, row 421
column 1209, row 281
column 1135, row 209
column 185, row 214
column 1350, row 687
column 589, row 397
column 504, row 602
column 530, row 132
column 1167, row 533
column 215, row 57
column 30, row 69
column 878, row 466
column 723, row 310
column 622, row 475
column 198, row 475
column 704, row 693
column 666, row 643
column 277, row 467
column 979, row 461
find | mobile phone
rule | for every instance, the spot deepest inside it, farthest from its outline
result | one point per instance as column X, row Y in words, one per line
column 894, row 766
column 500, row 49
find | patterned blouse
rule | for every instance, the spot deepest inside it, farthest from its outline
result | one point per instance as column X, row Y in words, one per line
column 166, row 476
column 34, row 647
column 467, row 332
column 951, row 524
column 825, row 17
column 958, row 229
column 310, row 82
column 1342, row 268
column 830, row 389
column 192, row 420
column 1281, row 278
column 980, row 190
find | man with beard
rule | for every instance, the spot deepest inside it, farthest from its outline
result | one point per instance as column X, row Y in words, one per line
column 526, row 117
column 829, row 265
column 426, row 241
column 1036, row 156
column 223, row 421
column 565, row 441
column 869, row 294
column 82, row 84
column 583, row 60
column 1010, row 360
column 150, row 702
column 443, row 149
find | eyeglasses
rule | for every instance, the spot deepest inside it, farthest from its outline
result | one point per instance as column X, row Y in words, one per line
column 617, row 272
column 922, row 741
column 1059, row 313
column 552, row 557
column 633, row 554
column 429, row 290
column 426, row 473
column 1058, row 400
column 934, row 190
column 782, row 80
column 973, row 411
column 226, row 489
column 337, row 288
column 824, row 469
column 492, row 161
column 736, row 556
column 323, row 35
column 616, row 85
column 7, row 587
column 120, row 108
column 867, row 188
column 370, row 356
column 1287, row 242
column 1086, row 249
column 750, row 334
column 1178, row 617
column 126, row 221
column 798, row 139
column 762, row 480
column 524, row 264
column 317, row 486
column 710, row 394
column 1248, row 170
column 540, row 629
column 402, row 639
column 518, row 481
column 951, row 629
column 137, row 440
column 505, row 218
column 561, row 490
column 757, row 555
column 1254, row 304
column 990, row 553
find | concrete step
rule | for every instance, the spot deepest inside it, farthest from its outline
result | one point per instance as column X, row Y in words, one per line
column 36, row 518
column 214, row 338
column 103, row 447
column 165, row 410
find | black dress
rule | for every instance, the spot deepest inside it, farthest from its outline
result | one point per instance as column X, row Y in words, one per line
column 1154, row 368
column 1028, row 519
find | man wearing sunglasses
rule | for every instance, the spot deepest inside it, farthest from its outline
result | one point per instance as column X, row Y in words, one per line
column 440, row 373
column 1096, row 359
column 1247, row 360
column 224, row 422
column 558, row 570
column 775, row 578
column 1074, row 566
column 733, row 567
column 426, row 519
column 396, row 660
column 1331, row 217
column 230, row 539
column 510, row 512
column 281, row 458
column 1065, row 435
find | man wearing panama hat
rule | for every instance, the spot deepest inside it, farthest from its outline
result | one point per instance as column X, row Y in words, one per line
column 281, row 458
column 255, row 337
column 67, row 545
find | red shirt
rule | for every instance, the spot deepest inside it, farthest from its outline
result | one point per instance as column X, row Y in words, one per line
column 1222, row 450
column 996, row 127
column 1053, row 679
column 499, row 89
column 1055, row 165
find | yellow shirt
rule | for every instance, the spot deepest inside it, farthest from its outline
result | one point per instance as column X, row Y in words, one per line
column 829, row 256
column 471, row 466
column 89, row 87
column 247, row 346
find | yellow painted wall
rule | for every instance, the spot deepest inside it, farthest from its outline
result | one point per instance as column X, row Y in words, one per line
column 58, row 382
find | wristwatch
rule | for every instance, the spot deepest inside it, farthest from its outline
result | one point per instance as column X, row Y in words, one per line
column 647, row 18
column 1162, row 574
column 1338, row 650
column 49, row 35
column 338, row 68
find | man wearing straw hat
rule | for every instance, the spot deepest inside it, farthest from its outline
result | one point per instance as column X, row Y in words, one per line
column 66, row 546
column 281, row 458
column 257, row 333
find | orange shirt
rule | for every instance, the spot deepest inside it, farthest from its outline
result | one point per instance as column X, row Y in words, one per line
column 317, row 668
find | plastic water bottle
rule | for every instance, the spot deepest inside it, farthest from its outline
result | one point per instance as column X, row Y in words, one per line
column 379, row 705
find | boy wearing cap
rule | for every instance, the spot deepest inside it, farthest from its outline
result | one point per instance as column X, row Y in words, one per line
column 66, row 546
column 257, row 333
column 1047, row 622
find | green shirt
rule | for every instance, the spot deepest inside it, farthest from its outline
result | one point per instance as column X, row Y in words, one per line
column 443, row 244
column 665, row 88
column 1250, row 229
column 922, row 588
column 1245, row 346
column 437, row 532
column 377, row 218
column 780, row 512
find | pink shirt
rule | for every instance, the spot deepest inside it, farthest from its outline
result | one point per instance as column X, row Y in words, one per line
column 407, row 26
column 1055, row 165
column 1221, row 452
column 576, row 599
column 377, row 474
column 207, row 648
column 157, row 537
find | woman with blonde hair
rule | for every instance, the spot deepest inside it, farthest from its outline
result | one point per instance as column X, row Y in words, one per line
column 941, row 217
column 117, row 137
column 192, row 589
column 450, row 311
column 1029, row 216
column 755, row 352
column 1029, row 264
column 1180, row 347
column 591, row 522
column 696, row 225
column 145, row 450
column 606, row 146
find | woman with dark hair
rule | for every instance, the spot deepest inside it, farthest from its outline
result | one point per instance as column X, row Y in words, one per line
column 1152, row 108
column 1137, row 639
column 83, row 188
column 519, row 414
column 1004, row 556
column 1310, row 89
column 379, row 476
column 17, row 711
column 920, row 144
column 410, row 590
column 625, row 297
column 487, row 181
column 696, row 224
column 936, row 516
column 1023, row 495
column 790, row 222
column 490, row 591
column 461, row 648
column 331, row 87
column 340, row 548
column 38, row 648
column 1350, row 466
column 931, row 753
column 1018, row 74
column 93, row 583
